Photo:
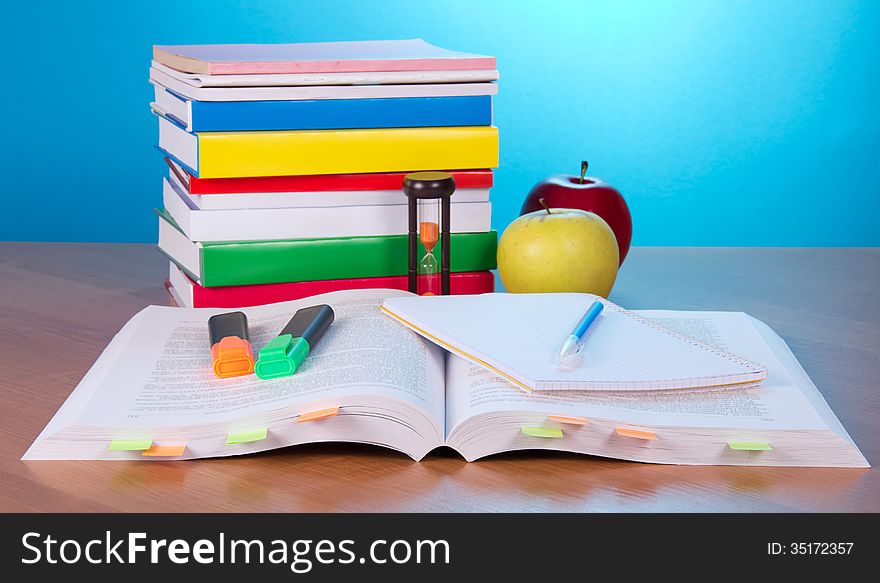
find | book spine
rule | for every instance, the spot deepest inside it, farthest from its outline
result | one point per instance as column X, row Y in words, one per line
column 218, row 116
column 326, row 182
column 229, row 264
column 255, row 295
column 280, row 153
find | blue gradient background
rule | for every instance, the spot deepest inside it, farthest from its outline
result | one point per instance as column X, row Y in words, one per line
column 723, row 123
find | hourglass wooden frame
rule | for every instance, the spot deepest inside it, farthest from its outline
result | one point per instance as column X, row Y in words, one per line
column 427, row 186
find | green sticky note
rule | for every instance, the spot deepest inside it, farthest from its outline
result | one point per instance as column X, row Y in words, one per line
column 542, row 432
column 247, row 436
column 130, row 444
column 749, row 445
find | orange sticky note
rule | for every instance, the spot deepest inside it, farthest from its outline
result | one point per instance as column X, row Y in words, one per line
column 568, row 420
column 316, row 415
column 164, row 450
column 637, row 433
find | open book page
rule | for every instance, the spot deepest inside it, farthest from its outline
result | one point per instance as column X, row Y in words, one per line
column 782, row 422
column 157, row 372
column 777, row 403
column 800, row 377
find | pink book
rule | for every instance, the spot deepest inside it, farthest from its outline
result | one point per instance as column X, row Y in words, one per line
column 189, row 294
column 335, row 57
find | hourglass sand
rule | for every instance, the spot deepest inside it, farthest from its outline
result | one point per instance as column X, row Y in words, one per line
column 428, row 196
column 428, row 277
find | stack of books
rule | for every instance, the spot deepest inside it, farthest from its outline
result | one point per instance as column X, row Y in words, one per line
column 286, row 165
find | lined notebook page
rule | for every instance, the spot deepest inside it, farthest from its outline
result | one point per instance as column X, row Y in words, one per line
column 519, row 335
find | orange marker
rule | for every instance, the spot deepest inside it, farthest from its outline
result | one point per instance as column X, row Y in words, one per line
column 231, row 352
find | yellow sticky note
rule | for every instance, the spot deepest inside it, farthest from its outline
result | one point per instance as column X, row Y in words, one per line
column 165, row 451
column 130, row 444
column 636, row 433
column 568, row 420
column 248, row 436
column 542, row 432
column 315, row 415
column 749, row 445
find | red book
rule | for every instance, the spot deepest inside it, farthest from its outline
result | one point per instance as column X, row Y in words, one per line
column 319, row 182
column 191, row 295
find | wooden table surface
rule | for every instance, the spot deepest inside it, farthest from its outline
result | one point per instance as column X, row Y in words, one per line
column 60, row 305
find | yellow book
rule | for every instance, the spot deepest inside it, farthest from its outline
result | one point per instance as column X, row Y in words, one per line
column 281, row 153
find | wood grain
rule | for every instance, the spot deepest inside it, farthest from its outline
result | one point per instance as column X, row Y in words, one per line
column 60, row 305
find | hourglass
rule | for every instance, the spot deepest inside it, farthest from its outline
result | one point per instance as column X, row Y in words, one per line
column 428, row 195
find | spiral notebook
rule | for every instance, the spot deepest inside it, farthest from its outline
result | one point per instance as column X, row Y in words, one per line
column 519, row 335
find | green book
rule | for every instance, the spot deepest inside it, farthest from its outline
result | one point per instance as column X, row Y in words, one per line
column 254, row 262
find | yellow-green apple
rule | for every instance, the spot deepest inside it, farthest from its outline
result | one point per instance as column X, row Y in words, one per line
column 558, row 250
column 586, row 193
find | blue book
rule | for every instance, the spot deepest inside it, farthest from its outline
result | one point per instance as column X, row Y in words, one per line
column 323, row 114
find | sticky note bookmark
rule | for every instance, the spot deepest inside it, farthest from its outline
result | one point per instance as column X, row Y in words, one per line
column 568, row 420
column 542, row 432
column 248, row 436
column 636, row 433
column 316, row 415
column 749, row 445
column 130, row 444
column 164, row 450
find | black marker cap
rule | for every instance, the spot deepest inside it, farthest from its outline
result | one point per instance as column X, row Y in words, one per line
column 310, row 323
column 229, row 324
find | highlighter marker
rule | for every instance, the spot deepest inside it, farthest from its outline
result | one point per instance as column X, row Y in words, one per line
column 283, row 355
column 231, row 352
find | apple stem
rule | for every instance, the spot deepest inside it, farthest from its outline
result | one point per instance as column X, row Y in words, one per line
column 544, row 204
column 584, row 166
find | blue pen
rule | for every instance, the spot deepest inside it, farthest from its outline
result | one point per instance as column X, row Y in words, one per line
column 572, row 344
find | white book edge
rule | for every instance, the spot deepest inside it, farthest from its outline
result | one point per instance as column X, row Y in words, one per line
column 179, row 143
column 167, row 104
column 320, row 91
column 307, row 79
column 180, row 249
column 180, row 287
column 308, row 223
column 307, row 199
column 318, row 199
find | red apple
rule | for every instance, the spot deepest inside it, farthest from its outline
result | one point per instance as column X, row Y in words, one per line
column 586, row 193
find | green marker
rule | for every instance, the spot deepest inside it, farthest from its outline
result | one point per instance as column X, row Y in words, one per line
column 283, row 355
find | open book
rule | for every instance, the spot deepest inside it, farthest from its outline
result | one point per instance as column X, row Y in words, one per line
column 152, row 395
